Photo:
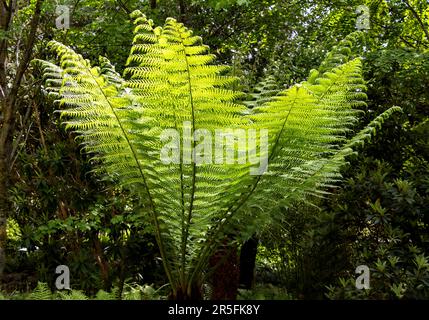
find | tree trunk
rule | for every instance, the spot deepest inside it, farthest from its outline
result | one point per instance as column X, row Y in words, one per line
column 182, row 11
column 5, row 20
column 225, row 272
column 3, row 212
column 248, row 262
column 153, row 4
column 8, row 110
column 183, row 295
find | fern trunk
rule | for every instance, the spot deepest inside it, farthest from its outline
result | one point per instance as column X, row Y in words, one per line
column 248, row 254
column 225, row 277
column 192, row 292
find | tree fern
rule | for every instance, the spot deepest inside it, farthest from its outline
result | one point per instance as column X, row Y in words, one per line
column 171, row 82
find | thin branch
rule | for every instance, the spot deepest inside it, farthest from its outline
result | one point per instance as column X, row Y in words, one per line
column 6, row 15
column 22, row 147
column 19, row 137
column 24, row 62
column 5, row 5
column 39, row 125
column 10, row 101
column 416, row 15
column 407, row 42
column 182, row 10
column 123, row 6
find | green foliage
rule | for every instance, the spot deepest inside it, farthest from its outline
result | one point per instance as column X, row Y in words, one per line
column 391, row 278
column 385, row 211
column 72, row 295
column 264, row 92
column 42, row 292
column 310, row 248
column 268, row 292
column 225, row 3
column 400, row 77
column 130, row 292
column 13, row 231
column 103, row 295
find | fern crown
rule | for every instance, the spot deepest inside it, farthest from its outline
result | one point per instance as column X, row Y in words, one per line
column 146, row 128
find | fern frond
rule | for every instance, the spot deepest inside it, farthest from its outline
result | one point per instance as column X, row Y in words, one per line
column 307, row 124
column 72, row 295
column 264, row 92
column 52, row 75
column 172, row 81
column 371, row 129
column 343, row 52
column 309, row 121
column 41, row 292
column 185, row 87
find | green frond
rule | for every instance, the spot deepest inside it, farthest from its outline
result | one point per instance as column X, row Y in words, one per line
column 103, row 295
column 42, row 292
column 178, row 83
column 307, row 126
column 343, row 52
column 72, row 295
column 264, row 92
column 107, row 70
column 309, row 121
column 371, row 129
column 52, row 75
column 172, row 81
